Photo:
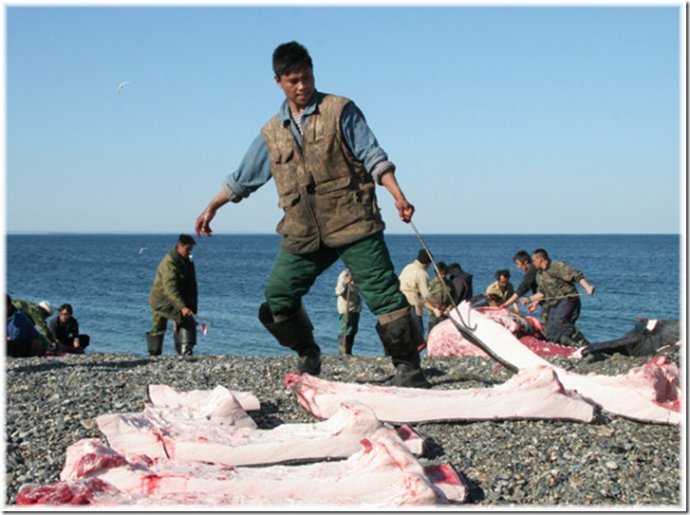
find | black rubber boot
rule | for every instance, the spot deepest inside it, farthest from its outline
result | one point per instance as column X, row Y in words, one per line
column 154, row 344
column 185, row 339
column 296, row 332
column 345, row 344
column 401, row 337
column 579, row 337
column 349, row 343
column 568, row 341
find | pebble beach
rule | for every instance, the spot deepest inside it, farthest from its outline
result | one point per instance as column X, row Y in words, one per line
column 52, row 402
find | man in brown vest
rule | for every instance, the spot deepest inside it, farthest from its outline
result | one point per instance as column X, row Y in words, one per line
column 325, row 162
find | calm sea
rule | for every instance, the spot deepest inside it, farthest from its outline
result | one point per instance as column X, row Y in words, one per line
column 107, row 278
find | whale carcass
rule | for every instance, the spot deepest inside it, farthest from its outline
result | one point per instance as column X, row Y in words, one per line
column 648, row 337
column 444, row 340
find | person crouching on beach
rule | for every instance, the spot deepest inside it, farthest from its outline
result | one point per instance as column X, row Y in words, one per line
column 325, row 163
column 65, row 328
column 174, row 297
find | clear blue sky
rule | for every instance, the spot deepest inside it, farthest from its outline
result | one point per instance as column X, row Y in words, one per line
column 509, row 119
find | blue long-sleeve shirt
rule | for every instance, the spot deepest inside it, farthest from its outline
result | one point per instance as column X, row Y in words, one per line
column 255, row 169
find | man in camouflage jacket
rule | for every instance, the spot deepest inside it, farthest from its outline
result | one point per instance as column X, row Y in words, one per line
column 556, row 291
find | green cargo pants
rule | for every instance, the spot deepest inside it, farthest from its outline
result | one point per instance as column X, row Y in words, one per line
column 368, row 261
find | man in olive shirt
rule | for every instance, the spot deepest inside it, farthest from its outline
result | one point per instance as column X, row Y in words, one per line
column 502, row 287
column 556, row 288
column 174, row 297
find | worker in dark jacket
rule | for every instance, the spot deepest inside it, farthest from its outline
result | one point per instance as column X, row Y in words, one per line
column 529, row 281
column 174, row 297
column 66, row 330
column 461, row 282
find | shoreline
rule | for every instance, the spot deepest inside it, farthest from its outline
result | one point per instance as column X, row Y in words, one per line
column 51, row 403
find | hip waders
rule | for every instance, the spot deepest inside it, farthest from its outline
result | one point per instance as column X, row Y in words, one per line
column 372, row 270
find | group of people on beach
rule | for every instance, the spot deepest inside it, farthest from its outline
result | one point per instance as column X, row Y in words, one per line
column 326, row 164
column 30, row 334
column 551, row 284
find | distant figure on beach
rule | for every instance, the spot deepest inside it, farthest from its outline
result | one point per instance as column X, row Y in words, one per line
column 23, row 339
column 414, row 283
column 556, row 291
column 38, row 313
column 529, row 280
column 325, row 162
column 66, row 330
column 461, row 282
column 439, row 299
column 502, row 287
column 349, row 308
column 174, row 297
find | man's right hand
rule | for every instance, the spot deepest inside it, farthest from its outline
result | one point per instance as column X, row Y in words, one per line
column 405, row 209
column 186, row 312
column 203, row 223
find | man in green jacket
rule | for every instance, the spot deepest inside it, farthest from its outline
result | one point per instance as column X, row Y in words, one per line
column 556, row 290
column 174, row 297
column 325, row 163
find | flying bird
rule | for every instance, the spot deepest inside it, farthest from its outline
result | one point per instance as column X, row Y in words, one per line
column 121, row 86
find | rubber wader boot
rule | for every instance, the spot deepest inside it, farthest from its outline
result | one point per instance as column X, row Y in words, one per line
column 400, row 334
column 154, row 344
column 185, row 340
column 579, row 337
column 569, row 341
column 296, row 332
column 345, row 344
column 349, row 343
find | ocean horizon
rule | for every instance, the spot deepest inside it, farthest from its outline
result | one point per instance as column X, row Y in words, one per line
column 107, row 276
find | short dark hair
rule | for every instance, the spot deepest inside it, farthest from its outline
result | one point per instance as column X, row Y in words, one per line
column 65, row 307
column 502, row 273
column 289, row 58
column 423, row 257
column 541, row 253
column 442, row 266
column 186, row 239
column 522, row 256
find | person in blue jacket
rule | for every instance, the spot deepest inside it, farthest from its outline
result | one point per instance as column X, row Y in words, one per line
column 23, row 339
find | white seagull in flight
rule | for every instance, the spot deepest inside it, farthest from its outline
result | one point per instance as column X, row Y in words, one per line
column 121, row 86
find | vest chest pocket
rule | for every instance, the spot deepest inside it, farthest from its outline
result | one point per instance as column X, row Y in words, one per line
column 283, row 170
column 284, row 155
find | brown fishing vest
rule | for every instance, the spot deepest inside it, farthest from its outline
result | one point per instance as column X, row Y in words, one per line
column 326, row 194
